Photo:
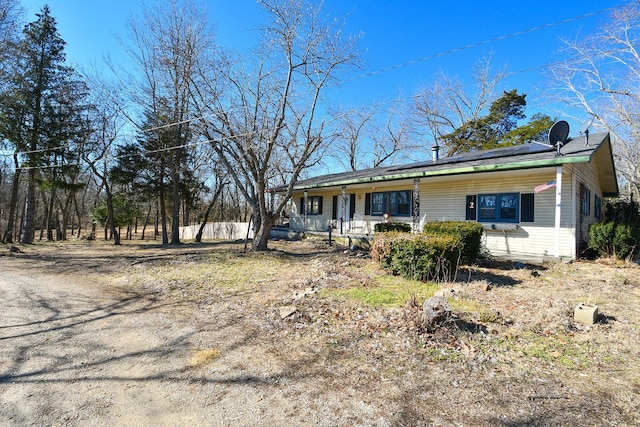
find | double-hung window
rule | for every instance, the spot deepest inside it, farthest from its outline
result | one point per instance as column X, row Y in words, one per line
column 395, row 203
column 502, row 207
column 314, row 205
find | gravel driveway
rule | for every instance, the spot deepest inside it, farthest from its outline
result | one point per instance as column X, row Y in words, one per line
column 74, row 353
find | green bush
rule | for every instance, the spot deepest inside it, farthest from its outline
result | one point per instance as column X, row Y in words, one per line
column 385, row 227
column 621, row 211
column 470, row 234
column 619, row 232
column 612, row 239
column 418, row 256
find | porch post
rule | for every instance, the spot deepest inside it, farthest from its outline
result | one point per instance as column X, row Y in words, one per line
column 415, row 206
column 556, row 251
column 304, row 209
column 344, row 216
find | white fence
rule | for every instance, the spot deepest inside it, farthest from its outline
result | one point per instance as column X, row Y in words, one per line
column 217, row 230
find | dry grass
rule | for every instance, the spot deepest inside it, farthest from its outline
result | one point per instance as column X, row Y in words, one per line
column 514, row 356
column 202, row 357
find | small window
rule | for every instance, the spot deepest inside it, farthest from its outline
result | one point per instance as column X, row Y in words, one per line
column 597, row 208
column 499, row 207
column 314, row 205
column 585, row 196
column 395, row 203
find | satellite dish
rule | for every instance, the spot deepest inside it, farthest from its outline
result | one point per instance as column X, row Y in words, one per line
column 585, row 130
column 558, row 134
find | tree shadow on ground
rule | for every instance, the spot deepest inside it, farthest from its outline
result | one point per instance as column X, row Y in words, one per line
column 491, row 272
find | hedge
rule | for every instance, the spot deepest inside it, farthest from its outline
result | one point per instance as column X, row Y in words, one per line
column 418, row 256
column 385, row 227
column 470, row 234
column 612, row 239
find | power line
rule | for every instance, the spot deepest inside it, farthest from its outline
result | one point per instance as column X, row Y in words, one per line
column 369, row 74
column 484, row 42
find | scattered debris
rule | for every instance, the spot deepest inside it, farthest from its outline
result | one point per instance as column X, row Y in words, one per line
column 15, row 250
column 585, row 313
column 287, row 310
column 303, row 293
column 435, row 311
column 446, row 292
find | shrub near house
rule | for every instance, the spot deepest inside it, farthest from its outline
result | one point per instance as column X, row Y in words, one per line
column 432, row 255
column 469, row 232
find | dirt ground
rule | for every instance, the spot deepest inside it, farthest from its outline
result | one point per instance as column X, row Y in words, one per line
column 95, row 335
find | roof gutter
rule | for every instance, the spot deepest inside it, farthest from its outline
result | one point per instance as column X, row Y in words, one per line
column 454, row 171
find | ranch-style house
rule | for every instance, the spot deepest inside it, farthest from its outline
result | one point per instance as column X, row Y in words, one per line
column 535, row 201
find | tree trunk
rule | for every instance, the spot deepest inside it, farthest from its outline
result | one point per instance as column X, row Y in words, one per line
column 67, row 215
column 13, row 204
column 206, row 214
column 49, row 216
column 111, row 216
column 146, row 221
column 45, row 215
column 76, row 210
column 175, row 211
column 261, row 239
column 157, row 221
column 23, row 213
column 29, row 229
column 163, row 217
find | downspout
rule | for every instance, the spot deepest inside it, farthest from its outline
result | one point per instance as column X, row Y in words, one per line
column 556, row 251
column 574, row 216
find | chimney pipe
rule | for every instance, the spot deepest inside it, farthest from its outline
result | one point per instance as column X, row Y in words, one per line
column 435, row 152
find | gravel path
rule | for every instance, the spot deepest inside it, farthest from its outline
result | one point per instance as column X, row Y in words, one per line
column 77, row 354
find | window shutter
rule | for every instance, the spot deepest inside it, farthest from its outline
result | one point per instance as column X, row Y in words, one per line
column 526, row 207
column 320, row 205
column 301, row 206
column 367, row 204
column 471, row 207
column 352, row 205
column 334, row 208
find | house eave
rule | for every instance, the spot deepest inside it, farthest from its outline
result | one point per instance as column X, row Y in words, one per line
column 450, row 172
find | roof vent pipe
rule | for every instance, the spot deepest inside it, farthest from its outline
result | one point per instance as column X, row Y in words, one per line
column 435, row 152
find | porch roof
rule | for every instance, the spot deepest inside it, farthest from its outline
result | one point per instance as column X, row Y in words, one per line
column 524, row 156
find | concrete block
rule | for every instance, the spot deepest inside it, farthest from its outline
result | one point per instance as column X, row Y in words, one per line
column 585, row 313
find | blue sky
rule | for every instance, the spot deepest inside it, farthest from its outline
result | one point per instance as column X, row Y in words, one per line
column 394, row 33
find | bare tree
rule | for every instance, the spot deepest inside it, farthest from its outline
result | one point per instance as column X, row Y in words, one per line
column 10, row 12
column 106, row 121
column 447, row 104
column 262, row 116
column 10, row 19
column 371, row 137
column 601, row 76
column 166, row 44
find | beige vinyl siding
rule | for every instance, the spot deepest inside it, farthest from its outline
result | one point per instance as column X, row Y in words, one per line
column 585, row 174
column 313, row 222
column 321, row 222
column 444, row 199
